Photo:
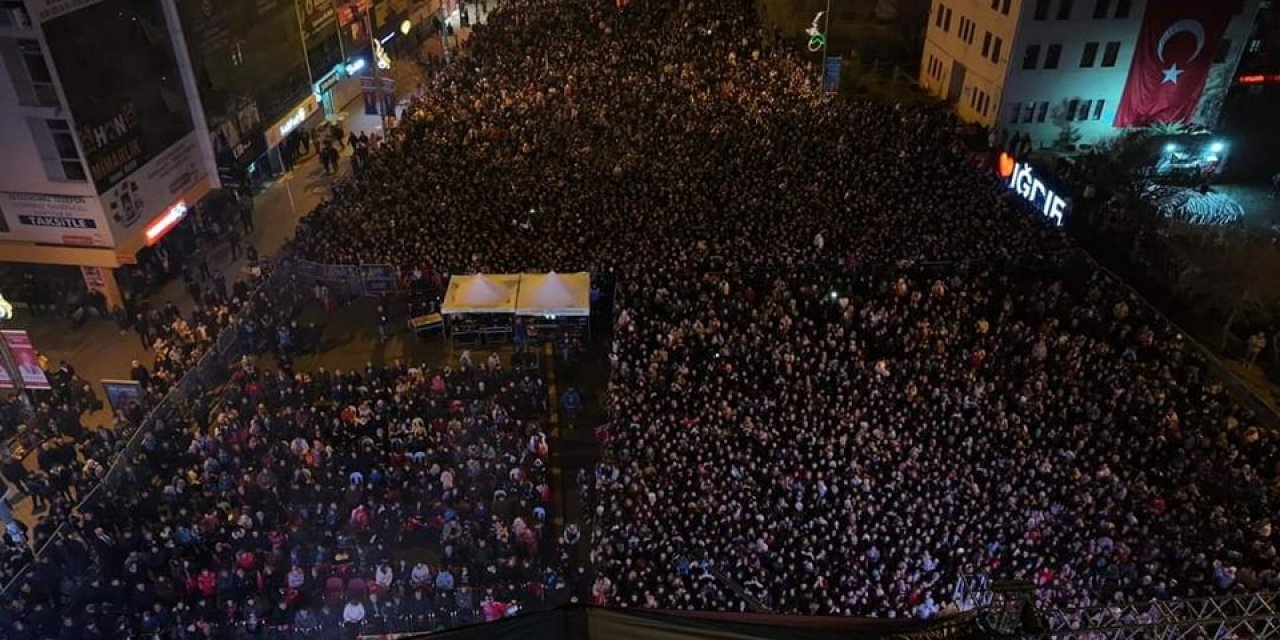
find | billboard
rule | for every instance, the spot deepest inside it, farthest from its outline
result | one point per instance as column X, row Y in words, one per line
column 51, row 219
column 25, row 359
column 122, row 393
column 119, row 73
column 155, row 187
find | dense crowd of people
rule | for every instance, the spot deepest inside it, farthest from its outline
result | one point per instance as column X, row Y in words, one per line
column 846, row 370
column 321, row 503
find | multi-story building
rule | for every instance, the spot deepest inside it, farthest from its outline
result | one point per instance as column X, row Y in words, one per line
column 118, row 116
column 1060, row 70
column 103, row 145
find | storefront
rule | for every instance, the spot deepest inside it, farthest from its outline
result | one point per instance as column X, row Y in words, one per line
column 336, row 89
column 301, row 117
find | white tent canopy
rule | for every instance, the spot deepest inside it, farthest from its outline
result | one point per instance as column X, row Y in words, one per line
column 554, row 294
column 481, row 293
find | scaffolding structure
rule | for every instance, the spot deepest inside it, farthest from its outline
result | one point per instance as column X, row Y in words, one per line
column 1251, row 615
column 1001, row 610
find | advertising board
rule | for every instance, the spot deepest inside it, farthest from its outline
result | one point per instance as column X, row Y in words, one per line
column 155, row 188
column 120, row 76
column 52, row 219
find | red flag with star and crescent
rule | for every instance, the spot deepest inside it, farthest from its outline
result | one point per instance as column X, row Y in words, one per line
column 1176, row 47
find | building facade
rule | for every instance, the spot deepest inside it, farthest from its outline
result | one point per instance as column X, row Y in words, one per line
column 117, row 117
column 103, row 144
column 1073, row 72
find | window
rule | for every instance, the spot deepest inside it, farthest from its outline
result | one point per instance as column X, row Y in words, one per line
column 995, row 5
column 1097, row 109
column 1004, row 7
column 995, row 50
column 1089, row 56
column 946, row 22
column 1064, row 10
column 1051, row 56
column 29, row 73
column 986, row 44
column 1042, row 9
column 1122, row 8
column 1224, row 50
column 13, row 15
column 1101, row 8
column 1085, row 107
column 1073, row 107
column 33, row 59
column 1110, row 54
column 1031, row 57
column 57, row 149
column 1255, row 45
column 1029, row 112
column 1014, row 111
column 1041, row 111
column 937, row 17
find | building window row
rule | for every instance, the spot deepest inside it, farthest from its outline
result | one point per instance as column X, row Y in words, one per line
column 57, row 145
column 1028, row 112
column 1078, row 110
column 1089, row 57
column 1031, row 56
column 1102, row 9
column 979, row 101
column 1000, row 5
column 1044, row 8
column 1074, row 110
column 934, row 68
column 942, row 19
column 1053, row 55
column 991, row 46
column 967, row 29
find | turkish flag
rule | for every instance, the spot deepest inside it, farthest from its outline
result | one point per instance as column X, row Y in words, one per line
column 1176, row 47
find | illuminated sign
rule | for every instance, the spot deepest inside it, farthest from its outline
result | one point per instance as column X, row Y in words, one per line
column 166, row 222
column 1023, row 181
column 355, row 66
column 293, row 122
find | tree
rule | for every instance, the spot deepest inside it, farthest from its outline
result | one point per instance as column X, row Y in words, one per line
column 1226, row 272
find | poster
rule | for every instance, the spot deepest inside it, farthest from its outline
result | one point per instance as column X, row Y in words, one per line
column 831, row 74
column 25, row 359
column 155, row 187
column 53, row 219
column 128, row 106
column 121, row 393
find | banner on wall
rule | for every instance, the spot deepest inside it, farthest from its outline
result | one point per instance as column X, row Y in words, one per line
column 25, row 359
column 52, row 219
column 155, row 187
column 128, row 106
column 1171, row 60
